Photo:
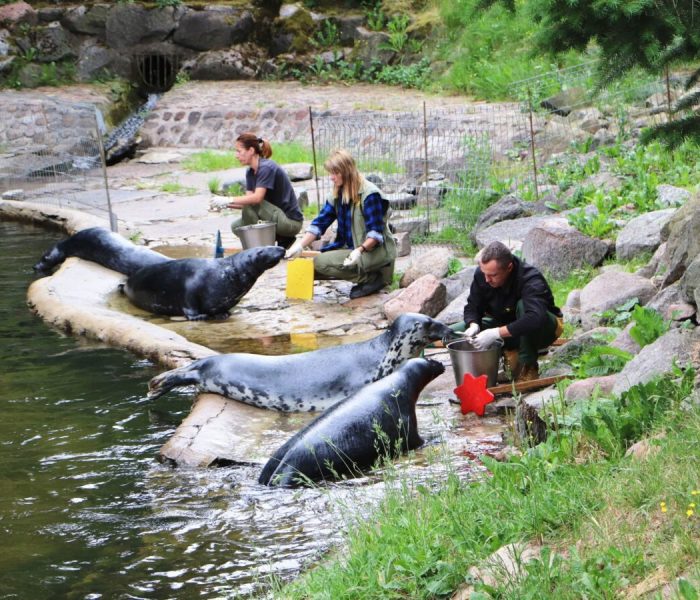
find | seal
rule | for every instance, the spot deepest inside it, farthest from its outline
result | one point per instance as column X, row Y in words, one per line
column 199, row 288
column 104, row 247
column 309, row 381
column 378, row 422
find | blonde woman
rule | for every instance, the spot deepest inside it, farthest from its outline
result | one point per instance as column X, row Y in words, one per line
column 364, row 250
column 269, row 193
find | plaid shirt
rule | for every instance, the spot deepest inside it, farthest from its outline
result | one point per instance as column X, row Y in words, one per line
column 373, row 213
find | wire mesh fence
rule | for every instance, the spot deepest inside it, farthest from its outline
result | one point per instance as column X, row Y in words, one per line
column 51, row 153
column 441, row 167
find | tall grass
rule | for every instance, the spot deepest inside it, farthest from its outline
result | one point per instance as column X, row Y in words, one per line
column 607, row 522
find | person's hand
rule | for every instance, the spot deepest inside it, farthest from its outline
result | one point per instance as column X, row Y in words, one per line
column 294, row 250
column 486, row 338
column 353, row 258
column 472, row 330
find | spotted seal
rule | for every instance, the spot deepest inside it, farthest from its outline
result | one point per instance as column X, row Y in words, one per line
column 309, row 381
column 103, row 247
column 199, row 288
column 378, row 421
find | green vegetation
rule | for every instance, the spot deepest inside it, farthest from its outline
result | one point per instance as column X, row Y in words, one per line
column 606, row 522
column 177, row 188
column 212, row 160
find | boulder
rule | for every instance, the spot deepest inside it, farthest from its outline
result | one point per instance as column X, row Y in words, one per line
column 610, row 290
column 454, row 311
column 457, row 284
column 53, row 43
column 299, row 171
column 93, row 60
column 87, row 20
column 403, row 244
column 682, row 235
column 129, row 25
column 204, row 30
column 348, row 28
column 588, row 388
column 624, row 340
column 657, row 359
column 436, row 262
column 239, row 62
column 372, row 47
column 574, row 347
column 566, row 101
column 642, row 234
column 572, row 308
column 507, row 208
column 690, row 282
column 513, row 232
column 669, row 195
column 557, row 249
column 16, row 14
column 425, row 295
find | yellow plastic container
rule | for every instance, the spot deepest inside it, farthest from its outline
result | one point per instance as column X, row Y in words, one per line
column 300, row 278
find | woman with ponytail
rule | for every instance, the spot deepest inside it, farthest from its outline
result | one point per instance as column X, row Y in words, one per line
column 269, row 193
column 364, row 250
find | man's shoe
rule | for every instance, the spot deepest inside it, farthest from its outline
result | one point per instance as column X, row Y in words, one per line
column 370, row 287
column 285, row 242
column 528, row 373
column 511, row 363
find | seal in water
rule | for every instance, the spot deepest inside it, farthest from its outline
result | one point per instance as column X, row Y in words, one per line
column 378, row 421
column 311, row 380
column 200, row 288
column 104, row 247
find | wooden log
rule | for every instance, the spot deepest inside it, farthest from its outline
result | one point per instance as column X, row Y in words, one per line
column 526, row 386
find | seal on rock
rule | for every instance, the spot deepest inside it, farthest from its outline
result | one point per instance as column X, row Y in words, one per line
column 104, row 247
column 199, row 288
column 378, row 421
column 309, row 381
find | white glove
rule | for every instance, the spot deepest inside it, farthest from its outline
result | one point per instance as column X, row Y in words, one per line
column 472, row 330
column 353, row 258
column 294, row 250
column 486, row 339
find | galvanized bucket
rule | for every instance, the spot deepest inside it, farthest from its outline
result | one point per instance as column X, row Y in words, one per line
column 260, row 234
column 467, row 359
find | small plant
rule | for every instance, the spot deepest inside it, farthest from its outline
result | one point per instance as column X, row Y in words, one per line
column 235, row 189
column 327, row 36
column 214, row 185
column 376, row 19
column 454, row 265
column 209, row 160
column 620, row 315
column 177, row 188
column 596, row 225
column 166, row 3
column 398, row 33
column 600, row 360
column 648, row 325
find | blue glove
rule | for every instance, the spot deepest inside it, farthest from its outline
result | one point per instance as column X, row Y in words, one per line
column 486, row 339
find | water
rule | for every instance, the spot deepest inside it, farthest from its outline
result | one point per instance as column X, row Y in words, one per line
column 85, row 510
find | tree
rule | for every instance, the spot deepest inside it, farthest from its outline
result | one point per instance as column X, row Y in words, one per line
column 650, row 34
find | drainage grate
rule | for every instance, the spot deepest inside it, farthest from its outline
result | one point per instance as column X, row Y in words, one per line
column 155, row 73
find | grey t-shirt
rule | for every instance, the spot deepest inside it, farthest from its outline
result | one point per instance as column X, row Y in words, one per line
column 280, row 192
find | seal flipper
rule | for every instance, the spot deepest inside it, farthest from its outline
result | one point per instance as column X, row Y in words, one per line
column 163, row 383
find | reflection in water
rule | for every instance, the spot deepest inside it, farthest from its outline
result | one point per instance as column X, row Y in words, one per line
column 86, row 510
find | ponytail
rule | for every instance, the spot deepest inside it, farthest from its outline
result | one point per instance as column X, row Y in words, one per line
column 250, row 140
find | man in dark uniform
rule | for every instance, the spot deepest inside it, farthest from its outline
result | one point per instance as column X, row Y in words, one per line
column 511, row 301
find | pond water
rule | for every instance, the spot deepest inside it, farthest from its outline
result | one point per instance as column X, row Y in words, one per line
column 87, row 512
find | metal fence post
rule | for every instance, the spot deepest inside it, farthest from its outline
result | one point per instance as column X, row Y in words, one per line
column 313, row 151
column 425, row 164
column 532, row 144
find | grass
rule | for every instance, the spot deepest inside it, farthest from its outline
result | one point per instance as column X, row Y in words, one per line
column 609, row 524
column 177, row 188
column 212, row 160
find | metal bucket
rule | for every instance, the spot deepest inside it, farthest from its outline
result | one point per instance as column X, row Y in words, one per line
column 260, row 234
column 466, row 359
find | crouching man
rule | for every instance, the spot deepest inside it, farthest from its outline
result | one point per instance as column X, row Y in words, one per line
column 511, row 301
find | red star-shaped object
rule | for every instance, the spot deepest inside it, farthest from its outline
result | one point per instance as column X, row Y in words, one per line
column 473, row 394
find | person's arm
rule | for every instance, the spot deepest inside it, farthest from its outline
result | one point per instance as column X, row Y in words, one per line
column 373, row 213
column 254, row 197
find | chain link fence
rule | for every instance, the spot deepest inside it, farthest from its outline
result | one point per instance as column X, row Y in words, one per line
column 51, row 153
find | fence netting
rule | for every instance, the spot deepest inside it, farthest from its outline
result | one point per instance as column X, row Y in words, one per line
column 51, row 153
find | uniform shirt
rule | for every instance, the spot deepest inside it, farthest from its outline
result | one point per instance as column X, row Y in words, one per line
column 372, row 211
column 280, row 192
column 525, row 283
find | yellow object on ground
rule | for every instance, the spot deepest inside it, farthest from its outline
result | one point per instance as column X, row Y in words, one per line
column 300, row 278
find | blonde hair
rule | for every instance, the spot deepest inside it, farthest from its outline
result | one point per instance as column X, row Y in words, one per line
column 250, row 140
column 340, row 162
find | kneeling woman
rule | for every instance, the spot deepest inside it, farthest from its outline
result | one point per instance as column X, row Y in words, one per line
column 364, row 250
column 269, row 192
